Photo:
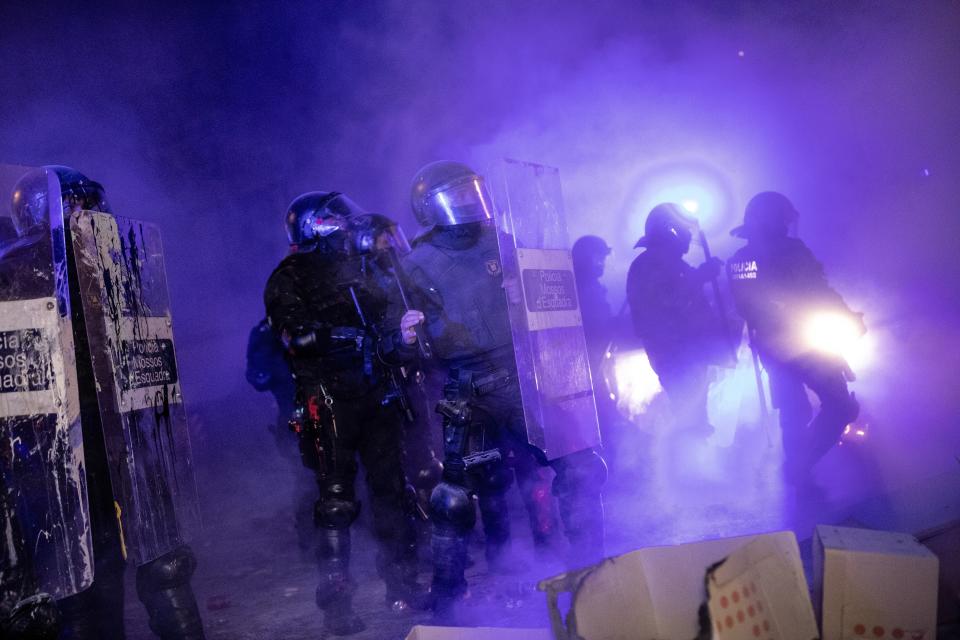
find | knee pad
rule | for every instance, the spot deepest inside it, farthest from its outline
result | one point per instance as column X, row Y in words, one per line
column 583, row 469
column 335, row 512
column 168, row 571
column 451, row 505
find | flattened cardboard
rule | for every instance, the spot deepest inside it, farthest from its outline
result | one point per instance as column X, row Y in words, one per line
column 421, row 632
column 759, row 591
column 876, row 584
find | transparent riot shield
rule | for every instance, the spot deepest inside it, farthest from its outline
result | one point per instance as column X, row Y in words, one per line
column 126, row 309
column 47, row 545
column 551, row 352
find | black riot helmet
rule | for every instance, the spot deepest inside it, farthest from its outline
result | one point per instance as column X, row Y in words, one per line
column 768, row 215
column 319, row 220
column 373, row 233
column 589, row 255
column 31, row 202
column 666, row 226
column 446, row 193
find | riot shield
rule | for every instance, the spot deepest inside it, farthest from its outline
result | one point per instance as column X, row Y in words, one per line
column 126, row 309
column 551, row 351
column 47, row 543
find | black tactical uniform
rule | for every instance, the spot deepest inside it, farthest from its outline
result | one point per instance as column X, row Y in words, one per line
column 601, row 329
column 314, row 301
column 589, row 256
column 672, row 317
column 776, row 283
column 456, row 280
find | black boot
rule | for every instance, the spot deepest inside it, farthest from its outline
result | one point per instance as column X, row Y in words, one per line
column 397, row 565
column 163, row 586
column 33, row 618
column 577, row 488
column 449, row 550
column 453, row 516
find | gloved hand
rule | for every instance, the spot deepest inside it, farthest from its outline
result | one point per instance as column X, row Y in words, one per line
column 408, row 325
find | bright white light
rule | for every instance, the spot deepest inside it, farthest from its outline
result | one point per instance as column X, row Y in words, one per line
column 699, row 190
column 637, row 383
column 838, row 334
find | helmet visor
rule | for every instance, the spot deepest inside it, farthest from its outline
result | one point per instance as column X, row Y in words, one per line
column 373, row 233
column 460, row 203
column 343, row 206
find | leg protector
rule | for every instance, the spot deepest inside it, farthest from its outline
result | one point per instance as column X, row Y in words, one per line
column 494, row 512
column 535, row 491
column 577, row 488
column 397, row 563
column 163, row 586
column 838, row 408
column 335, row 589
column 334, row 512
column 454, row 517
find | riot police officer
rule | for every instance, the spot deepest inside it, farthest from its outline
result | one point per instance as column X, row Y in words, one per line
column 326, row 302
column 777, row 283
column 163, row 584
column 589, row 261
column 458, row 300
column 602, row 330
column 672, row 317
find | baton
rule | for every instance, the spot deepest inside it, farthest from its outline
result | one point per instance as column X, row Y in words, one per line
column 761, row 393
column 401, row 396
column 721, row 307
column 426, row 350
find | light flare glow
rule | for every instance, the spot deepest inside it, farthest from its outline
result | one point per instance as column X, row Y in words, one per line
column 838, row 334
column 636, row 382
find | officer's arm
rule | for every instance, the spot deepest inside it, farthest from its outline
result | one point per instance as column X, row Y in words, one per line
column 287, row 311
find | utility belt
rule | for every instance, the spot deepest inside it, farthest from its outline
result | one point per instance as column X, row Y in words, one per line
column 463, row 387
column 362, row 342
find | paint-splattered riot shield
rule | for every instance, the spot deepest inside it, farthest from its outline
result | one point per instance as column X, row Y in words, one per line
column 46, row 522
column 551, row 352
column 126, row 307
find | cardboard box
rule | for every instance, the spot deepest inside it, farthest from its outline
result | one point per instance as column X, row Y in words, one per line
column 755, row 583
column 421, row 632
column 874, row 584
